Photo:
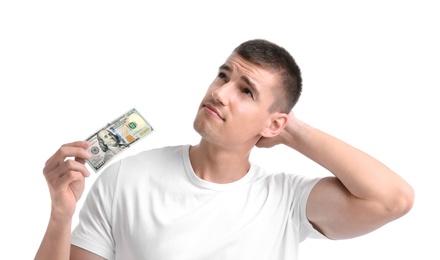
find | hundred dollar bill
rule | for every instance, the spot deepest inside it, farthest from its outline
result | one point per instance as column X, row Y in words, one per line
column 115, row 137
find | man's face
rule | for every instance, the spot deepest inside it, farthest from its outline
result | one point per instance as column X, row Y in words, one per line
column 108, row 138
column 235, row 108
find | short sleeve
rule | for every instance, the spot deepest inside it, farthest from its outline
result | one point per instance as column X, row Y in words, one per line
column 302, row 187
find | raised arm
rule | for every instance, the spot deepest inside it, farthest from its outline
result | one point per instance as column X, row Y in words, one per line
column 364, row 194
column 64, row 172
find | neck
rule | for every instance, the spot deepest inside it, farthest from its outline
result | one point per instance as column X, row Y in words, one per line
column 218, row 164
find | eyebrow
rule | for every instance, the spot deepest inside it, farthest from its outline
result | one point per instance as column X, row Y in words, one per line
column 244, row 78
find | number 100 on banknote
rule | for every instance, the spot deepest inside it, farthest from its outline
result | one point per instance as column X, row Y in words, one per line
column 115, row 137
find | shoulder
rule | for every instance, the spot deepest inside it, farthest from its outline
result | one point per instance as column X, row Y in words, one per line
column 154, row 161
column 145, row 158
column 287, row 181
column 156, row 155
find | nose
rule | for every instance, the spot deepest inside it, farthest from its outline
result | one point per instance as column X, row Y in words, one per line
column 223, row 94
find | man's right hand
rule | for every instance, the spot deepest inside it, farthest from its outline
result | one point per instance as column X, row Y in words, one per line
column 65, row 172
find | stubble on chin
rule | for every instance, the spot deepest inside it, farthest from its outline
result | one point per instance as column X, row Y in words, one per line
column 204, row 130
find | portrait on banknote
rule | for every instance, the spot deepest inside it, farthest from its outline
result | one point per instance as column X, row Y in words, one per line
column 115, row 137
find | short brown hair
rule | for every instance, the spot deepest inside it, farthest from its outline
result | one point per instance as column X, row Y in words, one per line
column 270, row 56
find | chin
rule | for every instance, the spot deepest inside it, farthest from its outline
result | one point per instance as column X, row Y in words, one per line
column 205, row 132
column 200, row 128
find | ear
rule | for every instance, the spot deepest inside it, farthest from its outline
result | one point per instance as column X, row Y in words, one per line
column 277, row 124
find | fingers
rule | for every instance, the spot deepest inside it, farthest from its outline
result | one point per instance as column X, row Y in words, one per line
column 66, row 185
column 80, row 160
column 71, row 166
column 66, row 172
column 61, row 169
column 78, row 150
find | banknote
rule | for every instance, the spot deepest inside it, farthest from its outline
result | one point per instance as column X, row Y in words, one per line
column 116, row 137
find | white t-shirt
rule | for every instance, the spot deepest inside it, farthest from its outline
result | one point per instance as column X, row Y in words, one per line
column 153, row 206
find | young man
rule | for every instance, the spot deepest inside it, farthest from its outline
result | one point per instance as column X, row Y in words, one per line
column 209, row 201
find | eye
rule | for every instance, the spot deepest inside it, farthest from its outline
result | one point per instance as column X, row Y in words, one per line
column 247, row 92
column 222, row 76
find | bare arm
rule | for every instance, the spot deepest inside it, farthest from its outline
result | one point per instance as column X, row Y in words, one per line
column 65, row 178
column 364, row 194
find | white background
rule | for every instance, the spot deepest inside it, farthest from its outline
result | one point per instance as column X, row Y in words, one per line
column 371, row 78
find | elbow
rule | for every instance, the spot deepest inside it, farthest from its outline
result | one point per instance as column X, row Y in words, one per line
column 403, row 201
column 409, row 199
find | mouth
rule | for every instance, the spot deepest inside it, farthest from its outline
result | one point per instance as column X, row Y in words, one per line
column 213, row 110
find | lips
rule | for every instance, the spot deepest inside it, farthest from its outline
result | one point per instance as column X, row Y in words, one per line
column 214, row 110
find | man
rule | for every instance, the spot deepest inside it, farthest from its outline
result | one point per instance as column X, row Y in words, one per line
column 209, row 201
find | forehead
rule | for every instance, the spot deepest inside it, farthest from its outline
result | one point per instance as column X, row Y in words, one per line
column 103, row 133
column 261, row 77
